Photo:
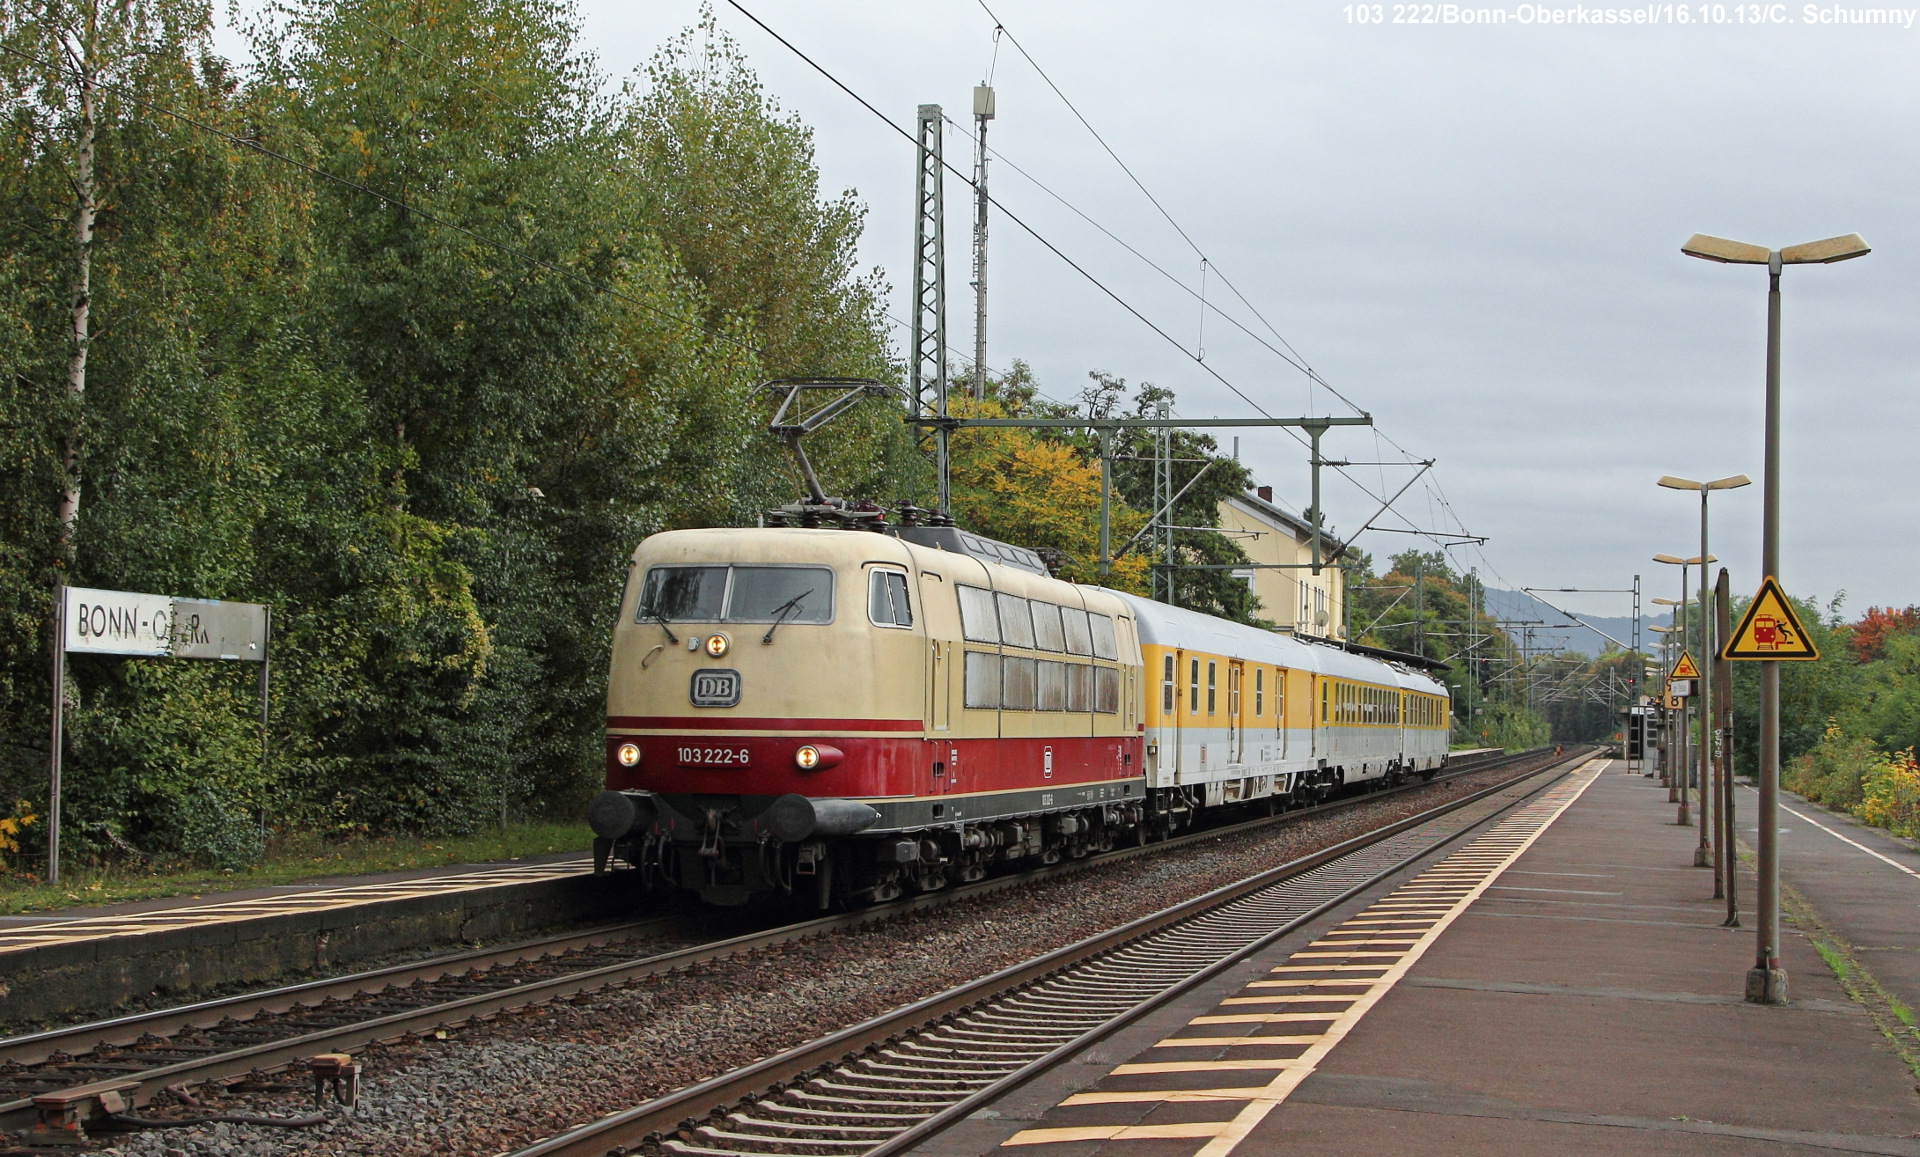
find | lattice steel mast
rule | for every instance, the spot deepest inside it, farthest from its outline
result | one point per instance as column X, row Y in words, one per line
column 929, row 364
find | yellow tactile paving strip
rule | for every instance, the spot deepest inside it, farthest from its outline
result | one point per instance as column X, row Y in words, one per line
column 1254, row 1048
column 23, row 937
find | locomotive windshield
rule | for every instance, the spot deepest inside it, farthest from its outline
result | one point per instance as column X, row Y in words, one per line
column 737, row 594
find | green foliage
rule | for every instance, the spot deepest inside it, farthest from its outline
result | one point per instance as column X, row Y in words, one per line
column 1505, row 725
column 1811, row 692
column 424, row 410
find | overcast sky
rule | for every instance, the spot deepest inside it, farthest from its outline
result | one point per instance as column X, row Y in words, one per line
column 1471, row 231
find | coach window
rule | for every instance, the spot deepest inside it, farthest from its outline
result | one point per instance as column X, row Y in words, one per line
column 1106, row 690
column 1104, row 644
column 1323, row 703
column 1280, row 696
column 1016, row 684
column 1052, row 692
column 1048, row 635
column 1167, row 690
column 1213, row 673
column 977, row 620
column 1193, row 687
column 887, row 599
column 1016, row 623
column 1073, row 623
column 1080, row 686
column 1259, row 691
column 983, row 680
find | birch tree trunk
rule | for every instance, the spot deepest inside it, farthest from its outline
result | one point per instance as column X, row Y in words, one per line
column 84, row 209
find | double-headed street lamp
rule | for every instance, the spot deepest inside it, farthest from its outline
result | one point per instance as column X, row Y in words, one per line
column 1767, row 981
column 1704, row 856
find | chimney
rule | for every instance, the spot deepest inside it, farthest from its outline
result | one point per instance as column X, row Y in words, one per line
column 1265, row 493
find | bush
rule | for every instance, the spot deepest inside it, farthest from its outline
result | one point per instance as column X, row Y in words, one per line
column 1834, row 773
column 1892, row 794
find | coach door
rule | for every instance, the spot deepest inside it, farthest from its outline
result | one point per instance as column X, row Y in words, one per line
column 1236, row 727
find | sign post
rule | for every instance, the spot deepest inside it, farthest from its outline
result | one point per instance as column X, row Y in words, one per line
column 98, row 622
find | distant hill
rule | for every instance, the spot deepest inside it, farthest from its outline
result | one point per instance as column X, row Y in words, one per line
column 1556, row 629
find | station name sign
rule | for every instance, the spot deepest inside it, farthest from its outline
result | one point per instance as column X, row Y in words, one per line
column 128, row 623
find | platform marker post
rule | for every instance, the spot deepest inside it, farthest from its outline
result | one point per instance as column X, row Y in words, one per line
column 1723, row 748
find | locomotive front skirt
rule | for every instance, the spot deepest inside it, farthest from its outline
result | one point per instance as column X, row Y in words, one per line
column 851, row 715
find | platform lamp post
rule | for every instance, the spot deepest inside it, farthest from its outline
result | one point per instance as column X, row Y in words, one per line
column 1684, row 764
column 1705, row 856
column 1767, row 981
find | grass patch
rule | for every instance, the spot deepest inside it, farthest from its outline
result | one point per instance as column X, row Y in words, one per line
column 1836, row 962
column 299, row 856
column 1893, row 1019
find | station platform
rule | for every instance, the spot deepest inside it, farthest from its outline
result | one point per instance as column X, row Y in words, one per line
column 100, row 957
column 1556, row 982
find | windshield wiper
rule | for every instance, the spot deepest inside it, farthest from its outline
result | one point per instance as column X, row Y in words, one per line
column 783, row 612
column 657, row 616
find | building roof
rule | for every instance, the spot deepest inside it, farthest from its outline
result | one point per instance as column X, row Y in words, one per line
column 1268, row 512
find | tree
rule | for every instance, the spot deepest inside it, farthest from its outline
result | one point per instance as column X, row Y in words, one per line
column 1041, row 492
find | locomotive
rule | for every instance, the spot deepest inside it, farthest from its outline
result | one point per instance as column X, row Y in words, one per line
column 847, row 716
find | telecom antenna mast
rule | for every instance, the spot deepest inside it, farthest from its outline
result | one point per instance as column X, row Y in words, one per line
column 982, row 113
column 929, row 367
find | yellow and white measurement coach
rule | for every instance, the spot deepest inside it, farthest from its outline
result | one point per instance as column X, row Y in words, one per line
column 850, row 715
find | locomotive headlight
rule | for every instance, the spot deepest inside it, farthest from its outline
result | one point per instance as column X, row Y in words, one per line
column 628, row 754
column 717, row 645
column 817, row 757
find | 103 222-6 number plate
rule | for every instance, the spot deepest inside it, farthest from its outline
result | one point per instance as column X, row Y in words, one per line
column 712, row 756
column 715, row 687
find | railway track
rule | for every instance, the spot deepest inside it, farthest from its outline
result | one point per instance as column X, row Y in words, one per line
column 883, row 1086
column 244, row 1035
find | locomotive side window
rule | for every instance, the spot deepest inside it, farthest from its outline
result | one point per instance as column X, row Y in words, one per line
column 983, row 680
column 1017, row 677
column 1104, row 645
column 977, row 620
column 1052, row 693
column 1106, row 690
column 1048, row 634
column 697, row 593
column 1079, row 635
column 887, row 599
column 1080, row 686
column 1167, row 689
column 1016, row 623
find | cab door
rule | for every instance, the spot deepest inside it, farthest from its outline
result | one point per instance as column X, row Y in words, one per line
column 939, row 614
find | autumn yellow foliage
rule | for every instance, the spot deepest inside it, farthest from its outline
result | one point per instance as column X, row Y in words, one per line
column 1892, row 789
column 1014, row 485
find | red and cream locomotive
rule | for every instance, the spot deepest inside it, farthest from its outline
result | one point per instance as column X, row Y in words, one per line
column 849, row 715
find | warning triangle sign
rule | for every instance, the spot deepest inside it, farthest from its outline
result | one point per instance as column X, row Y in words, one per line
column 1770, row 629
column 1684, row 668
